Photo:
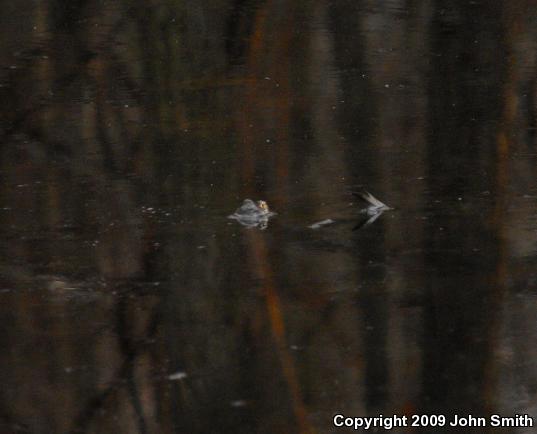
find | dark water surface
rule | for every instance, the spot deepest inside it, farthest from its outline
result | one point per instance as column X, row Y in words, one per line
column 130, row 130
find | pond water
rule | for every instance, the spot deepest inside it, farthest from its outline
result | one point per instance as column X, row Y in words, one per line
column 129, row 131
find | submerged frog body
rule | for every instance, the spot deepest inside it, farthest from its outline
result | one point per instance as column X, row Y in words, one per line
column 253, row 214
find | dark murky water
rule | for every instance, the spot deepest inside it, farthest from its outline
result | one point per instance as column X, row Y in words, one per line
column 129, row 131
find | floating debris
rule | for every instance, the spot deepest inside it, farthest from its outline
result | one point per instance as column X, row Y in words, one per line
column 321, row 224
column 177, row 376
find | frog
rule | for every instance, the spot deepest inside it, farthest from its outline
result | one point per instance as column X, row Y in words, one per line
column 253, row 214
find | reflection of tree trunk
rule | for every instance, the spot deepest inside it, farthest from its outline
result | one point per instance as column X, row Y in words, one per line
column 262, row 266
column 505, row 135
column 463, row 307
column 246, row 120
column 239, row 27
column 270, row 81
column 357, row 115
column 324, row 90
column 135, row 328
column 44, row 73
